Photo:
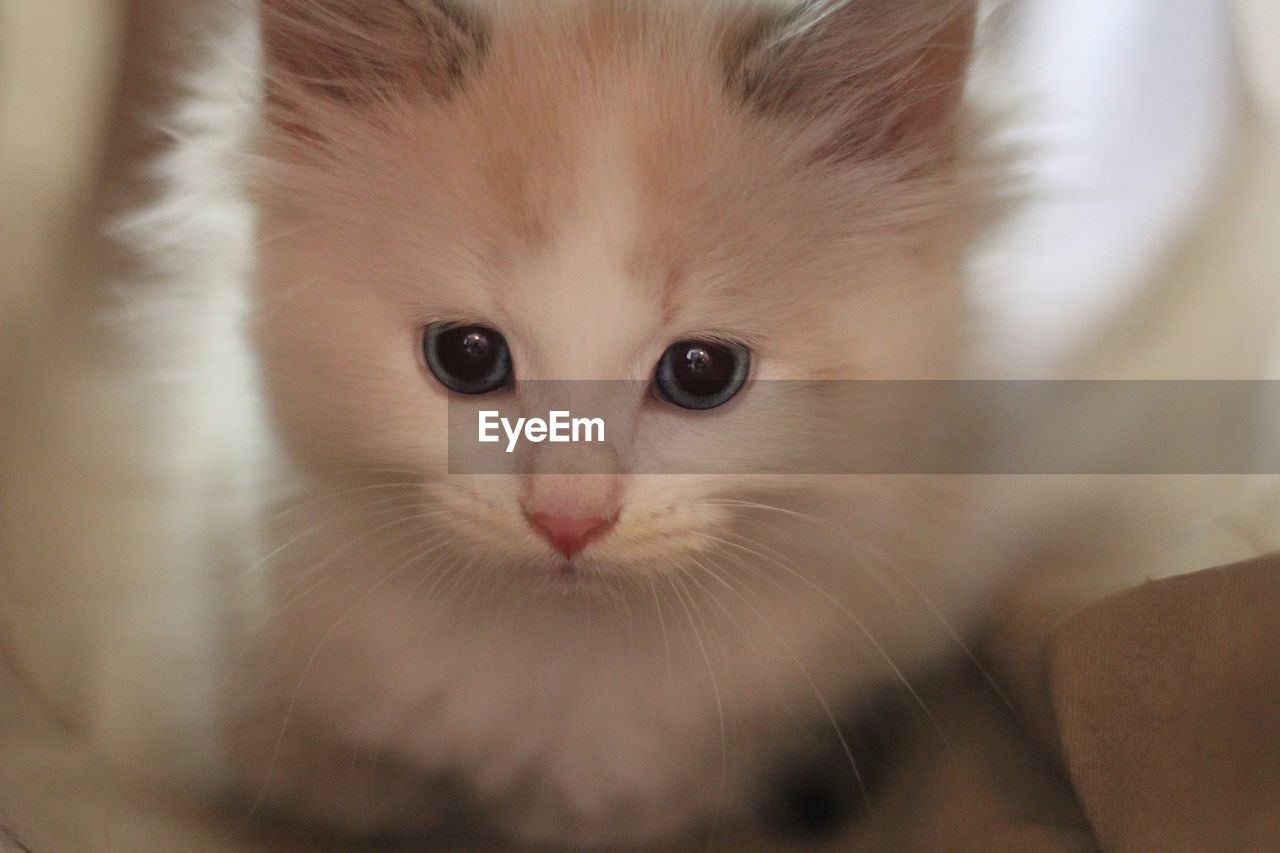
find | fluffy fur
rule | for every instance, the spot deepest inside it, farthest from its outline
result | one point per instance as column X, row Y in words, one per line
column 385, row 647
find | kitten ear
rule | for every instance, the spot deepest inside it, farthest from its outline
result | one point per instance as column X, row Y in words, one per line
column 886, row 76
column 365, row 51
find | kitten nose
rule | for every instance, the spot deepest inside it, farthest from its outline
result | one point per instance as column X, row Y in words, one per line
column 568, row 534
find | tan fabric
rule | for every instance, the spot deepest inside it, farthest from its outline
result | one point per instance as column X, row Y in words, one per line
column 1168, row 705
column 1157, row 708
column 1149, row 721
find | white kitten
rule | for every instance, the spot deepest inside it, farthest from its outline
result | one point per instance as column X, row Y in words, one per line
column 600, row 658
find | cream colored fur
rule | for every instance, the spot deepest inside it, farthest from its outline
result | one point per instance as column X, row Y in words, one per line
column 233, row 472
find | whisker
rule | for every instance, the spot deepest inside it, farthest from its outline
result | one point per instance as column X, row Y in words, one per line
column 813, row 685
column 311, row 500
column 445, row 572
column 413, row 518
column 861, row 626
column 320, row 523
column 306, row 669
column 662, row 624
column 715, row 690
column 900, row 575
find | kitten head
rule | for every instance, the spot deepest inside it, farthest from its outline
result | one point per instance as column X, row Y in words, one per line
column 577, row 186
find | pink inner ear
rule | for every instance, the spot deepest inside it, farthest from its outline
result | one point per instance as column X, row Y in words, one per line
column 938, row 79
column 917, row 106
column 887, row 77
column 360, row 51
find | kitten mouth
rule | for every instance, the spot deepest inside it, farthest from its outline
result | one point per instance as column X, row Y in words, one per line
column 578, row 575
column 577, row 570
column 571, row 583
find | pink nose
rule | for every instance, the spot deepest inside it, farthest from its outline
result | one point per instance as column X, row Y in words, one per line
column 569, row 535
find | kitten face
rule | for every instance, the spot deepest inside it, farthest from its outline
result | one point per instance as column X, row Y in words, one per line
column 594, row 181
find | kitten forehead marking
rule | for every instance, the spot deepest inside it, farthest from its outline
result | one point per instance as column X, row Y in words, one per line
column 580, row 293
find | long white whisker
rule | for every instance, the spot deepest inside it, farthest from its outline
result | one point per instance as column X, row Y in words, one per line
column 861, row 626
column 901, row 575
column 415, row 519
column 351, row 490
column 398, row 500
column 813, row 685
column 306, row 669
column 662, row 624
column 715, row 690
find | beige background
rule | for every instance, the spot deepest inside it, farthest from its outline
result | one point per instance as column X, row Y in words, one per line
column 57, row 82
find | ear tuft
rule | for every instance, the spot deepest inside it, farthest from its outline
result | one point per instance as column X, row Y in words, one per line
column 365, row 51
column 885, row 76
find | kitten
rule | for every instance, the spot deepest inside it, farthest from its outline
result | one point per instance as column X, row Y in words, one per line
column 356, row 637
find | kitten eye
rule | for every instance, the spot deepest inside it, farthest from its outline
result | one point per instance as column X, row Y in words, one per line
column 468, row 359
column 701, row 375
